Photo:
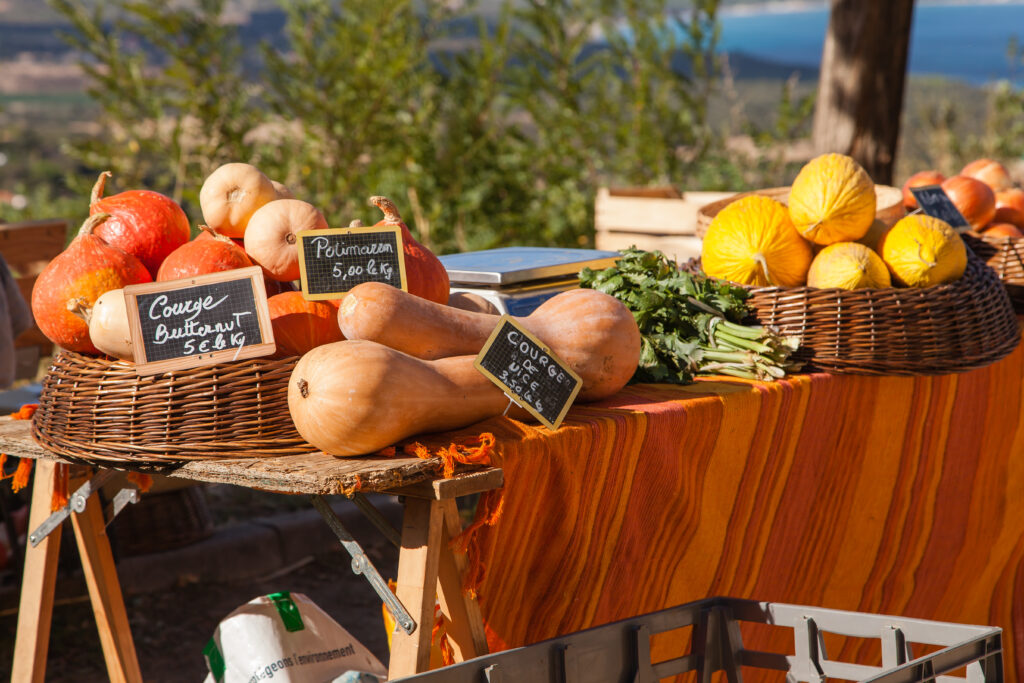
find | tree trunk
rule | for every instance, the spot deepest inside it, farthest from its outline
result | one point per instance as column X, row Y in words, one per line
column 860, row 91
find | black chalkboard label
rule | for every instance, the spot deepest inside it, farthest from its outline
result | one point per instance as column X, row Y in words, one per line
column 527, row 370
column 934, row 201
column 331, row 262
column 200, row 320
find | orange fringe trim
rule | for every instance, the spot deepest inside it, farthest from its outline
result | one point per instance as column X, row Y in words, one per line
column 476, row 450
column 142, row 481
column 488, row 512
column 19, row 479
column 60, row 488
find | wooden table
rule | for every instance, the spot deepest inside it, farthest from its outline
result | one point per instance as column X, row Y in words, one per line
column 430, row 520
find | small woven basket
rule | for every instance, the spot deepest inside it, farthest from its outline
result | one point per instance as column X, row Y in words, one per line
column 948, row 328
column 888, row 203
column 97, row 409
column 1005, row 255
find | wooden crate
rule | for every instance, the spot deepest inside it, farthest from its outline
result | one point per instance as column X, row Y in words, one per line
column 28, row 247
column 650, row 218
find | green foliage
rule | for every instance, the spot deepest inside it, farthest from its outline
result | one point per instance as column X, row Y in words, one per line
column 483, row 137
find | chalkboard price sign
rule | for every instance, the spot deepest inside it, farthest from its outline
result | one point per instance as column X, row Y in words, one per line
column 528, row 372
column 331, row 262
column 934, row 201
column 199, row 320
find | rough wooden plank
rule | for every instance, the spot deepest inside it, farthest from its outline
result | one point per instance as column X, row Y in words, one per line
column 105, row 591
column 35, row 611
column 311, row 473
column 459, row 485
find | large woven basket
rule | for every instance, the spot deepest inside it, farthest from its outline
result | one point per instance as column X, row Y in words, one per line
column 948, row 328
column 97, row 409
column 888, row 203
column 1005, row 255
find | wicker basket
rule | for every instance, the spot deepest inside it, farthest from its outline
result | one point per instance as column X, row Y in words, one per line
column 954, row 327
column 97, row 409
column 888, row 200
column 1005, row 255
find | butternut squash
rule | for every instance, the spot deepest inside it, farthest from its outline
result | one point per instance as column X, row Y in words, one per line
column 594, row 333
column 355, row 397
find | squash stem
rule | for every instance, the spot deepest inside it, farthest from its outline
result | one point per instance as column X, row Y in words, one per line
column 97, row 188
column 91, row 222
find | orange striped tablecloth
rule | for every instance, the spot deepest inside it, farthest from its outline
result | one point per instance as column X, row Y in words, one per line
column 878, row 494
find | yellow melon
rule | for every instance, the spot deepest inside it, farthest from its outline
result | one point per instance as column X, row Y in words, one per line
column 848, row 265
column 752, row 241
column 832, row 200
column 922, row 251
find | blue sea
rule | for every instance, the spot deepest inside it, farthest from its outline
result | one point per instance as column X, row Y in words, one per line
column 966, row 41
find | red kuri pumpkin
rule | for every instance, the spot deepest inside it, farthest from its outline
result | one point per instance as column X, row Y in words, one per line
column 70, row 284
column 202, row 256
column 301, row 326
column 146, row 224
column 424, row 274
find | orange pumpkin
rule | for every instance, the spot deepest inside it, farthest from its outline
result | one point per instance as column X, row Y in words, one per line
column 202, row 256
column 990, row 172
column 68, row 287
column 919, row 179
column 424, row 274
column 975, row 200
column 301, row 325
column 146, row 224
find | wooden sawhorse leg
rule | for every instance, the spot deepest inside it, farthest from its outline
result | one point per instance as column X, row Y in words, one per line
column 39, row 580
column 429, row 570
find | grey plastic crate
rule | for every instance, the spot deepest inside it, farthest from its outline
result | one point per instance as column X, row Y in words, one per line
column 620, row 652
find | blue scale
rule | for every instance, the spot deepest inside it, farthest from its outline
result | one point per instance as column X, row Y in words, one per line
column 519, row 279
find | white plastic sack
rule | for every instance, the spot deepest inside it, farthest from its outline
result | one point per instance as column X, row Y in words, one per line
column 286, row 638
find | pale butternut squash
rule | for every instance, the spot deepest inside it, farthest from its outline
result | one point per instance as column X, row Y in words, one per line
column 592, row 332
column 356, row 397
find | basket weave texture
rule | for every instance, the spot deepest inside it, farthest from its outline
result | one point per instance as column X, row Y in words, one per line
column 97, row 409
column 948, row 328
column 888, row 202
column 1005, row 255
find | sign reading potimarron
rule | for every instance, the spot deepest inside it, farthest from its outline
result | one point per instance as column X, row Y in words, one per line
column 197, row 321
column 332, row 262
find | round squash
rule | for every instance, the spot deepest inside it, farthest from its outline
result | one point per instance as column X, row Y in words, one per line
column 990, row 172
column 108, row 325
column 752, row 241
column 425, row 275
column 919, row 179
column 848, row 265
column 974, row 199
column 270, row 238
column 922, row 251
column 231, row 194
column 282, row 191
column 355, row 397
column 202, row 256
column 592, row 332
column 300, row 325
column 146, row 224
column 66, row 290
column 832, row 200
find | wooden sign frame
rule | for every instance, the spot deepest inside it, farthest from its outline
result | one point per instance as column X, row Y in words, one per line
column 305, row 234
column 519, row 400
column 253, row 274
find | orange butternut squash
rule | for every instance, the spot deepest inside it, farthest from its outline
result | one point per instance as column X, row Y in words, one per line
column 355, row 397
column 592, row 332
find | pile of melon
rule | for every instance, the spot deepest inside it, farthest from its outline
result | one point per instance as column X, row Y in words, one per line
column 139, row 236
column 984, row 193
column 828, row 237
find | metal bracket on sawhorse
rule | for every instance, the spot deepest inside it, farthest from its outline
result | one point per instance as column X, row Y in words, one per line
column 361, row 564
column 77, row 503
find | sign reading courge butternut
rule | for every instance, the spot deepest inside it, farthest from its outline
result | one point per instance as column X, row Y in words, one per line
column 200, row 320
